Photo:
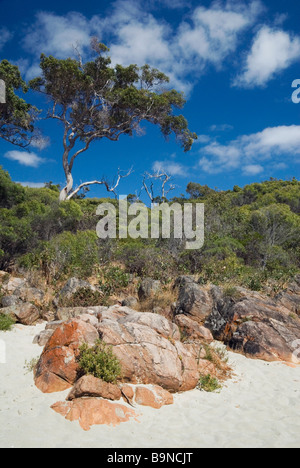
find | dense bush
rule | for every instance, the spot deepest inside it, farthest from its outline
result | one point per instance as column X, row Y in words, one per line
column 65, row 255
column 6, row 322
column 252, row 235
column 113, row 280
column 83, row 297
column 100, row 362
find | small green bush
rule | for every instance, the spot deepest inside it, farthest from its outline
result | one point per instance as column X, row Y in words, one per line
column 6, row 322
column 100, row 362
column 114, row 279
column 231, row 292
column 83, row 297
column 207, row 383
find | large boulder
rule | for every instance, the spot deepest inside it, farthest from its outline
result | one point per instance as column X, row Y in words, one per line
column 57, row 368
column 68, row 313
column 90, row 386
column 147, row 345
column 12, row 284
column 148, row 288
column 193, row 300
column 150, row 352
column 153, row 396
column 254, row 324
column 72, row 286
column 9, row 301
column 192, row 330
column 29, row 294
column 24, row 313
column 290, row 297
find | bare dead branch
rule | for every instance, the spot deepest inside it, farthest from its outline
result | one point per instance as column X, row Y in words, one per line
column 162, row 176
column 110, row 188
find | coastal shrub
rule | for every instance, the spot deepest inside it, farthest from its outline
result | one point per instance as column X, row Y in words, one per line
column 100, row 362
column 208, row 383
column 83, row 297
column 6, row 322
column 147, row 260
column 67, row 254
column 231, row 292
column 30, row 366
column 113, row 280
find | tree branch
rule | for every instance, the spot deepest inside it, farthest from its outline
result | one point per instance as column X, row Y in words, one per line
column 109, row 188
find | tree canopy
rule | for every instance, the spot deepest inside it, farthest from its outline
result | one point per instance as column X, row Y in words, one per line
column 17, row 116
column 95, row 100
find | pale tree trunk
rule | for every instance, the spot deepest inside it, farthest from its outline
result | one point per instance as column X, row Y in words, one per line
column 68, row 193
column 63, row 196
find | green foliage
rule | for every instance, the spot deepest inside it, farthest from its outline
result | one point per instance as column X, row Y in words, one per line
column 100, row 362
column 145, row 259
column 30, row 366
column 70, row 254
column 113, row 280
column 208, row 383
column 95, row 100
column 17, row 120
column 197, row 191
column 231, row 292
column 6, row 322
column 252, row 237
column 83, row 297
column 10, row 193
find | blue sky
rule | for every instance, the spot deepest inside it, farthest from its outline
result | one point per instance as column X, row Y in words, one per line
column 234, row 60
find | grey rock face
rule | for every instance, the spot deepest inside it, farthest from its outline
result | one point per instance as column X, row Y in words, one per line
column 71, row 287
column 193, row 300
column 148, row 288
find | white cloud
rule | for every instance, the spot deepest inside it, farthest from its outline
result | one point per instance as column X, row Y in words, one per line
column 5, row 36
column 213, row 32
column 250, row 153
column 221, row 128
column 57, row 35
column 253, row 169
column 174, row 4
column 170, row 167
column 206, row 36
column 40, row 142
column 203, row 139
column 25, row 158
column 272, row 52
column 32, row 184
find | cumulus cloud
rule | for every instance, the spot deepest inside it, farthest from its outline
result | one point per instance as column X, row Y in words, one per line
column 250, row 153
column 205, row 37
column 213, row 33
column 32, row 184
column 40, row 142
column 272, row 51
column 25, row 158
column 170, row 167
column 5, row 36
column 57, row 35
column 221, row 128
column 252, row 169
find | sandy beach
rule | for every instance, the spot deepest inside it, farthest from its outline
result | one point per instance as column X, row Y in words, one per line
column 259, row 407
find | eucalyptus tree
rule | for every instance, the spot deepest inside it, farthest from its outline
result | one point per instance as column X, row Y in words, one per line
column 17, row 117
column 95, row 100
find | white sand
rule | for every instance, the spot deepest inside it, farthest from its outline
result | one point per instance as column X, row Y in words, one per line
column 260, row 407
